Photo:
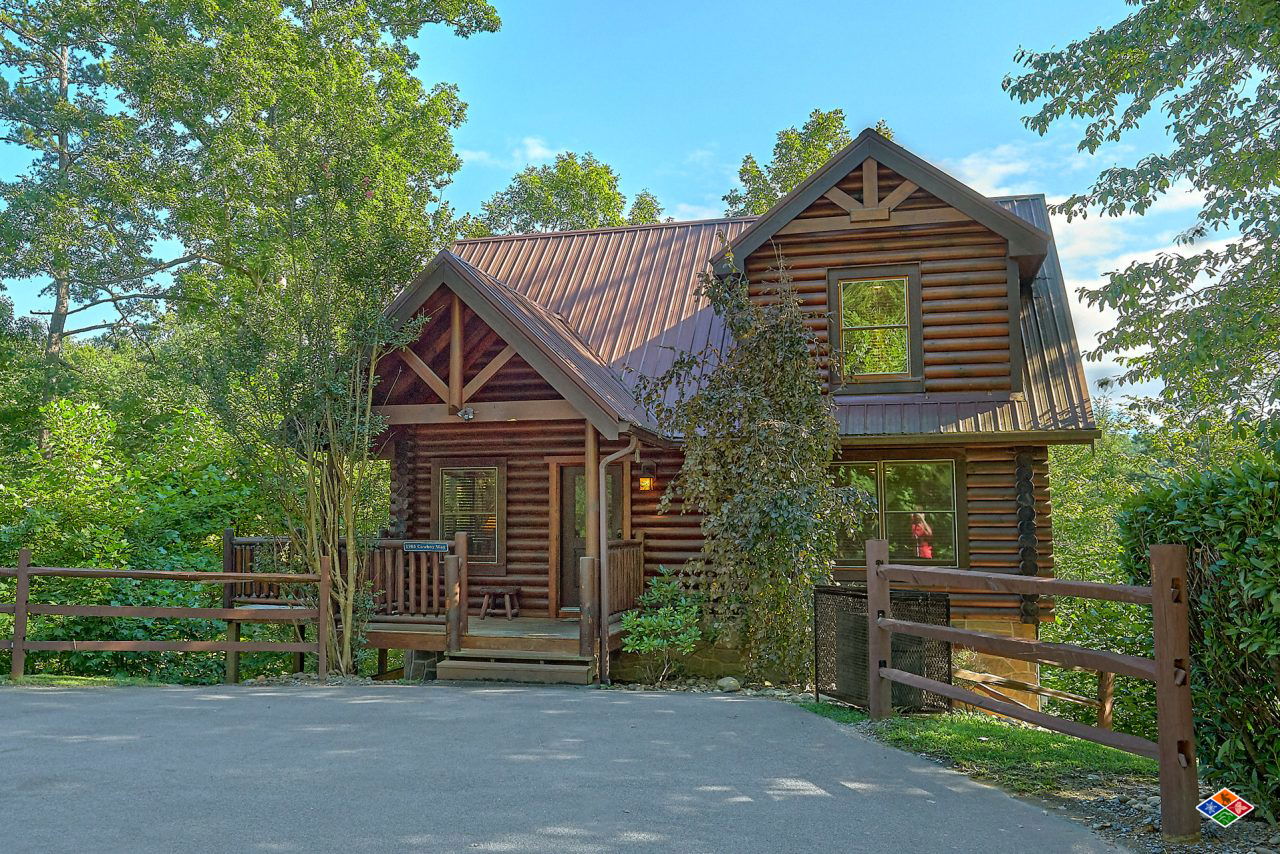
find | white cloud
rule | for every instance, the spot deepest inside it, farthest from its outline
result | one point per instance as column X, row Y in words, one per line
column 529, row 151
column 988, row 171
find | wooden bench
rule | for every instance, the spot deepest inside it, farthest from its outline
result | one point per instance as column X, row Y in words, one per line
column 510, row 598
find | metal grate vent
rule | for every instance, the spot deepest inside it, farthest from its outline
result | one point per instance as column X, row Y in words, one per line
column 840, row 645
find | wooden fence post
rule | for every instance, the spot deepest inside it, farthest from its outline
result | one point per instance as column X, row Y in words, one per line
column 879, row 641
column 231, row 658
column 1179, row 791
column 452, row 618
column 324, row 604
column 1106, row 698
column 17, row 667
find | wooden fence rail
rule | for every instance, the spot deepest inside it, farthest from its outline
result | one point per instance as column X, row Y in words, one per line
column 1169, row 670
column 22, row 609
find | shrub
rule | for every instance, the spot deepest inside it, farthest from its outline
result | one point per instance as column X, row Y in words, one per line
column 1230, row 520
column 666, row 625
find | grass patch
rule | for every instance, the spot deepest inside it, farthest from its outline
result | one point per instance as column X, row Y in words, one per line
column 57, row 680
column 1013, row 756
column 839, row 714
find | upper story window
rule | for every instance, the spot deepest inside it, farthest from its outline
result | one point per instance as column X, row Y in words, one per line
column 876, row 330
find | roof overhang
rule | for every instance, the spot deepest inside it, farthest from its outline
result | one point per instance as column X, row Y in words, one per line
column 1028, row 245
column 447, row 270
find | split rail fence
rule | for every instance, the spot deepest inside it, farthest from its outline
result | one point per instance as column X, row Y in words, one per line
column 1170, row 669
column 23, row 610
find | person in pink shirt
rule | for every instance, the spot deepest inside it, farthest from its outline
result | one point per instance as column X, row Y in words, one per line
column 922, row 532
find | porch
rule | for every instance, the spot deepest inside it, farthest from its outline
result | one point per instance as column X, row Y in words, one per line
column 419, row 588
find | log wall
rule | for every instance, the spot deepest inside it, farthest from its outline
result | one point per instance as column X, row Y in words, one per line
column 964, row 276
column 670, row 539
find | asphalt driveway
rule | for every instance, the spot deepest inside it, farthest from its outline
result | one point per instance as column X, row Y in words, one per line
column 498, row 768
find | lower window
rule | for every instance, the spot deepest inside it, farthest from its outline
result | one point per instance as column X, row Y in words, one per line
column 469, row 500
column 915, row 510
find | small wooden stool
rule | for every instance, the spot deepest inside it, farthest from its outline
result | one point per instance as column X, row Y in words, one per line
column 510, row 596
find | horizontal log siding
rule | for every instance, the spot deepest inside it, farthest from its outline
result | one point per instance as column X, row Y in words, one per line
column 525, row 447
column 993, row 526
column 963, row 276
column 671, row 538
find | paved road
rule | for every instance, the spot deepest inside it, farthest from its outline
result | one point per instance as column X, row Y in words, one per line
column 500, row 768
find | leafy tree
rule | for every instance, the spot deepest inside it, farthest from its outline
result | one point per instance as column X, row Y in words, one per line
column 304, row 162
column 78, row 217
column 759, row 439
column 20, row 387
column 576, row 191
column 1202, row 319
column 645, row 209
column 128, row 477
column 797, row 154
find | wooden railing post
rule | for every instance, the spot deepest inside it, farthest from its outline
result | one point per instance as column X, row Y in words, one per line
column 18, row 664
column 231, row 659
column 1179, row 790
column 464, row 584
column 452, row 617
column 1106, row 698
column 323, row 622
column 588, row 631
column 879, row 640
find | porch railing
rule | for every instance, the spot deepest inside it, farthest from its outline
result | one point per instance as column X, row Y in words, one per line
column 626, row 574
column 405, row 584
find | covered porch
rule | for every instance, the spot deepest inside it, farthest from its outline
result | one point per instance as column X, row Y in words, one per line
column 426, row 600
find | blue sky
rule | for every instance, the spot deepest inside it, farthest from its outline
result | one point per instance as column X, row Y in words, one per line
column 673, row 94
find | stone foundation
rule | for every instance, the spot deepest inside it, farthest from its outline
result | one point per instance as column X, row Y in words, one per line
column 1009, row 668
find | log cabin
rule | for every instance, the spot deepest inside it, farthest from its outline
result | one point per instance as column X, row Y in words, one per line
column 952, row 365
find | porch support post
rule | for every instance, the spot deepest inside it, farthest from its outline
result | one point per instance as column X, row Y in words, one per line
column 452, row 618
column 591, row 458
column 587, row 596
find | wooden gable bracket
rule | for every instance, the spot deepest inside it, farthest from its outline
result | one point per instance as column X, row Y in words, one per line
column 454, row 393
column 872, row 207
column 487, row 372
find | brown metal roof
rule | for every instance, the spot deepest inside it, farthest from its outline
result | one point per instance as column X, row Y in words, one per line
column 630, row 293
column 624, row 299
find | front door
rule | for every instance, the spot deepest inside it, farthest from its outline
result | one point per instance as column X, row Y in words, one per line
column 573, row 525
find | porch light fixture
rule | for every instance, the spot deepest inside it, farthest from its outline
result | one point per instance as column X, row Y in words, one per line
column 648, row 477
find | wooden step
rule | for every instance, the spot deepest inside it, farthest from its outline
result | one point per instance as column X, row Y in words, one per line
column 560, row 673
column 519, row 655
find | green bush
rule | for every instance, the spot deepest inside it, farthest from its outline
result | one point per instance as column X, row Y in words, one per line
column 665, row 627
column 97, row 496
column 1230, row 520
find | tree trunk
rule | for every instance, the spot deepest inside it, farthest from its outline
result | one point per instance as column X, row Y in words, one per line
column 61, row 280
